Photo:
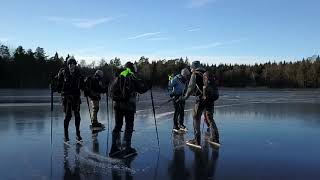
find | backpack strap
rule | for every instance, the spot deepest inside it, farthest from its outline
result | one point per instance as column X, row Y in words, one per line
column 197, row 86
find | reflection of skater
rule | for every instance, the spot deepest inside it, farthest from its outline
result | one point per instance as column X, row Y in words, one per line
column 177, row 168
column 95, row 149
column 68, row 173
column 204, row 164
column 177, row 88
column 116, row 175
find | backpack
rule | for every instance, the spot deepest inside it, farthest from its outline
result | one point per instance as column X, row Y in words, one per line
column 170, row 78
column 210, row 89
column 122, row 88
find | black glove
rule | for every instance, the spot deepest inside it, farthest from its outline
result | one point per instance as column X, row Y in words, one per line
column 171, row 95
column 182, row 99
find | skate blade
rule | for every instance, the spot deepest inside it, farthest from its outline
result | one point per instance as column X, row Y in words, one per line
column 66, row 143
column 184, row 130
column 115, row 154
column 193, row 145
column 97, row 129
column 79, row 142
column 214, row 143
column 129, row 155
column 176, row 131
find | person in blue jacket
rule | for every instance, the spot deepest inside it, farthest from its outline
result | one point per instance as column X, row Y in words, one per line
column 177, row 88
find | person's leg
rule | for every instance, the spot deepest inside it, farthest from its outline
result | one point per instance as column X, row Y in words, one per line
column 175, row 115
column 181, row 113
column 76, row 108
column 129, row 116
column 95, row 110
column 214, row 134
column 67, row 110
column 197, row 112
column 115, row 147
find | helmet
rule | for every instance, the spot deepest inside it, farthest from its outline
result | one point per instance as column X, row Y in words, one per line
column 131, row 66
column 195, row 64
column 185, row 72
column 72, row 61
column 99, row 74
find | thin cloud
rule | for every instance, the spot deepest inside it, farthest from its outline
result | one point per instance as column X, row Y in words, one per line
column 158, row 39
column 144, row 35
column 91, row 23
column 199, row 3
column 193, row 29
column 214, row 44
column 80, row 22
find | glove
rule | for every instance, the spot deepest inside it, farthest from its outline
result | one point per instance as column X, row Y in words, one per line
column 180, row 99
column 171, row 95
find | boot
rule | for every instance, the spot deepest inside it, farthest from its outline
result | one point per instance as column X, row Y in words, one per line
column 128, row 149
column 78, row 138
column 195, row 141
column 115, row 144
column 127, row 139
column 66, row 135
column 176, row 129
column 214, row 135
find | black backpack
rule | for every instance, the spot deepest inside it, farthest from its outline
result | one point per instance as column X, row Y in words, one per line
column 122, row 88
column 210, row 89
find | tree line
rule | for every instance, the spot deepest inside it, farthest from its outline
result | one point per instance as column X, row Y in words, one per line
column 34, row 69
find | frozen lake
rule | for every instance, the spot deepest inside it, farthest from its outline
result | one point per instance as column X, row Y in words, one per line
column 265, row 134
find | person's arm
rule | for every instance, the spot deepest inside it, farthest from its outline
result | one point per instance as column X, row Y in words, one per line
column 60, row 78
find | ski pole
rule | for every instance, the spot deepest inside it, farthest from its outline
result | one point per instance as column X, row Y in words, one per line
column 154, row 112
column 107, row 94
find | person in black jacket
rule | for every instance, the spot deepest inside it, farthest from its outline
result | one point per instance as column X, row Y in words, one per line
column 123, row 91
column 70, row 82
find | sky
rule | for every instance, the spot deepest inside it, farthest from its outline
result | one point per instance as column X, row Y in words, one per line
column 212, row 31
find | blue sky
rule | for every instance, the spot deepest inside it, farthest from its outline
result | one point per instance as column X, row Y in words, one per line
column 213, row 31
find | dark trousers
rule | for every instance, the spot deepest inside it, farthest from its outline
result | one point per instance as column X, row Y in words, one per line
column 129, row 119
column 178, row 112
column 71, row 103
column 208, row 109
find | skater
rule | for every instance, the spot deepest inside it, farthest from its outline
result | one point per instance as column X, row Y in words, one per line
column 203, row 103
column 94, row 87
column 177, row 88
column 70, row 82
column 210, row 95
column 123, row 91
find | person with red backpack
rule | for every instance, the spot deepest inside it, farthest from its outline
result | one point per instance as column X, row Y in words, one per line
column 123, row 91
column 203, row 87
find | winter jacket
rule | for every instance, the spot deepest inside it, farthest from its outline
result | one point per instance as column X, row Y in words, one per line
column 178, row 84
column 70, row 84
column 138, row 86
